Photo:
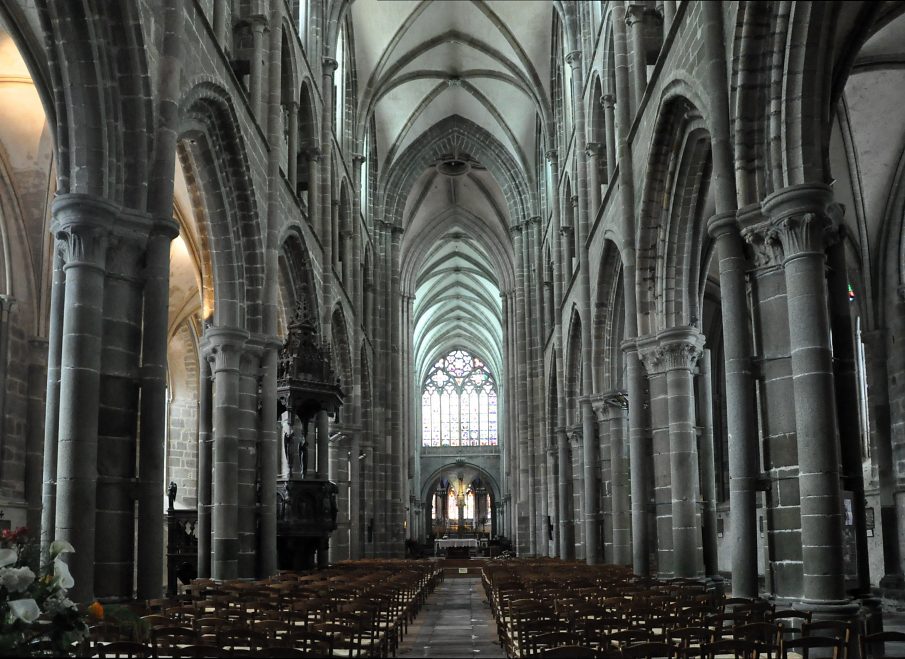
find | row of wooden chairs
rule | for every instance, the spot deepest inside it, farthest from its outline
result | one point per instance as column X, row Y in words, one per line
column 540, row 607
column 359, row 609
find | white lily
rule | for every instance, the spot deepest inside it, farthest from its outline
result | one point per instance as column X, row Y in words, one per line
column 61, row 574
column 26, row 610
column 58, row 547
column 8, row 557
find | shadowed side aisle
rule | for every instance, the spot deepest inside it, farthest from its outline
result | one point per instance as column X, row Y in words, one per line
column 455, row 622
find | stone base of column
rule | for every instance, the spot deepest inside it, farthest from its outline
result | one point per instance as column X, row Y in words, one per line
column 894, row 584
column 829, row 610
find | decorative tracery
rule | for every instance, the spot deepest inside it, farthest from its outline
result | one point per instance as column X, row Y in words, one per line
column 459, row 403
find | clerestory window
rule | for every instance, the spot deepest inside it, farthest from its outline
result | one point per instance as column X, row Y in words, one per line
column 459, row 403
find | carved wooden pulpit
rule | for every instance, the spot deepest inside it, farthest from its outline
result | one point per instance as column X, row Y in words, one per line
column 306, row 386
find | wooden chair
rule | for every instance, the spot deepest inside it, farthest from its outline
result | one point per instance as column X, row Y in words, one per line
column 841, row 629
column 535, row 644
column 630, row 636
column 650, row 650
column 690, row 637
column 199, row 650
column 570, row 652
column 735, row 647
column 870, row 643
column 123, row 650
column 165, row 639
column 802, row 646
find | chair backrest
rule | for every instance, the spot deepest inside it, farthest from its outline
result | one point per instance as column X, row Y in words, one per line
column 629, row 636
column 687, row 637
column 737, row 647
column 536, row 643
column 570, row 652
column 802, row 646
column 650, row 650
column 871, row 643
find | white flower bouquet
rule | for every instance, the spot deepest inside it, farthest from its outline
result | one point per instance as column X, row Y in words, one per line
column 35, row 613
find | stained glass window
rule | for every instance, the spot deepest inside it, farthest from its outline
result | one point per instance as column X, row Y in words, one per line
column 459, row 403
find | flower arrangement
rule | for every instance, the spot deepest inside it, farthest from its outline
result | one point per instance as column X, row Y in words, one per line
column 34, row 608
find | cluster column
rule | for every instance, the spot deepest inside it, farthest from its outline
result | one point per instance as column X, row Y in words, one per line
column 81, row 225
column 799, row 220
column 225, row 346
column 681, row 350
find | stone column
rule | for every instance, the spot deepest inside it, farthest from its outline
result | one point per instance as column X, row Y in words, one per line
column 591, row 478
column 314, row 215
column 741, row 422
column 256, row 93
column 609, row 121
column 682, row 349
column 605, row 468
column 616, row 408
column 566, row 530
column 34, row 427
column 348, row 268
column 639, row 459
column 226, row 346
column 81, row 223
column 798, row 221
column 354, row 496
column 220, row 10
column 115, row 490
column 776, row 399
column 322, row 423
column 7, row 304
column 551, row 457
column 669, row 14
column 881, row 445
column 592, row 151
column 576, row 501
column 153, row 416
column 205, row 468
column 656, row 368
column 707, row 468
column 292, row 145
column 52, row 398
column 335, row 244
column 567, row 241
column 247, row 418
column 634, row 18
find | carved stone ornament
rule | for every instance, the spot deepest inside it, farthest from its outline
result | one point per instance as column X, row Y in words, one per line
column 306, row 380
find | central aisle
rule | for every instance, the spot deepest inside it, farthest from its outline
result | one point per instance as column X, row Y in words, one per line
column 455, row 622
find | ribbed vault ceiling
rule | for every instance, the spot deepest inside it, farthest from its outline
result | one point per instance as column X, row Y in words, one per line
column 419, row 63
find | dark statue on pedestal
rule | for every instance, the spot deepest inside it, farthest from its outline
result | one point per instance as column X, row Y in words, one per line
column 306, row 385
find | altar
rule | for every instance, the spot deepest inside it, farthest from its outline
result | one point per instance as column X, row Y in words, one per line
column 447, row 543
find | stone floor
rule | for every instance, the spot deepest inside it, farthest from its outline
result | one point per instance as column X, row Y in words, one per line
column 455, row 622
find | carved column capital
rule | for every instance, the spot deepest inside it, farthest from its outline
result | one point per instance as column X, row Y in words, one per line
column 680, row 355
column 329, row 66
column 608, row 101
column 593, row 149
column 766, row 249
column 565, row 230
column 800, row 217
column 551, row 155
column 573, row 59
column 634, row 13
column 224, row 348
